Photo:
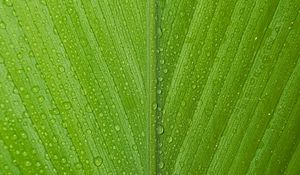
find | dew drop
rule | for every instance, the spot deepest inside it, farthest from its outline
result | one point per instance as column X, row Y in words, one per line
column 170, row 139
column 154, row 106
column 8, row 3
column 160, row 129
column 54, row 111
column 28, row 163
column 35, row 89
column 117, row 127
column 134, row 147
column 159, row 32
column 41, row 99
column 78, row 165
column 2, row 25
column 19, row 55
column 67, row 105
column 61, row 68
column 98, row 161
column 161, row 165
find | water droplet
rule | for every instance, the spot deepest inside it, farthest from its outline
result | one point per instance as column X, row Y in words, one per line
column 31, row 53
column 170, row 139
column 98, row 161
column 160, row 129
column 28, row 163
column 67, row 105
column 159, row 32
column 61, row 68
column 134, row 147
column 2, row 25
column 78, row 165
column 158, row 91
column 161, row 165
column 54, row 111
column 8, row 3
column 41, row 99
column 54, row 31
column 35, row 89
column 117, row 127
column 19, row 55
column 154, row 106
column 38, row 164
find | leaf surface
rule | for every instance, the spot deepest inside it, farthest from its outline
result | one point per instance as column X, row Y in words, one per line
column 149, row 87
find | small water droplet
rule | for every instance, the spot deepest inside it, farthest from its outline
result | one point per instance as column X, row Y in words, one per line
column 54, row 31
column 154, row 106
column 35, row 89
column 117, row 127
column 61, row 68
column 78, row 165
column 161, row 165
column 28, row 163
column 41, row 99
column 67, row 105
column 98, row 161
column 160, row 129
column 54, row 111
column 89, row 131
column 2, row 25
column 8, row 3
column 158, row 91
column 159, row 32
column 170, row 139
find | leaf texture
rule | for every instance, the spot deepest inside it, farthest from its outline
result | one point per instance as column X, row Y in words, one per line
column 149, row 87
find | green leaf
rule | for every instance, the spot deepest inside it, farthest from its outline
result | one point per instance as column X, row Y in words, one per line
column 149, row 87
